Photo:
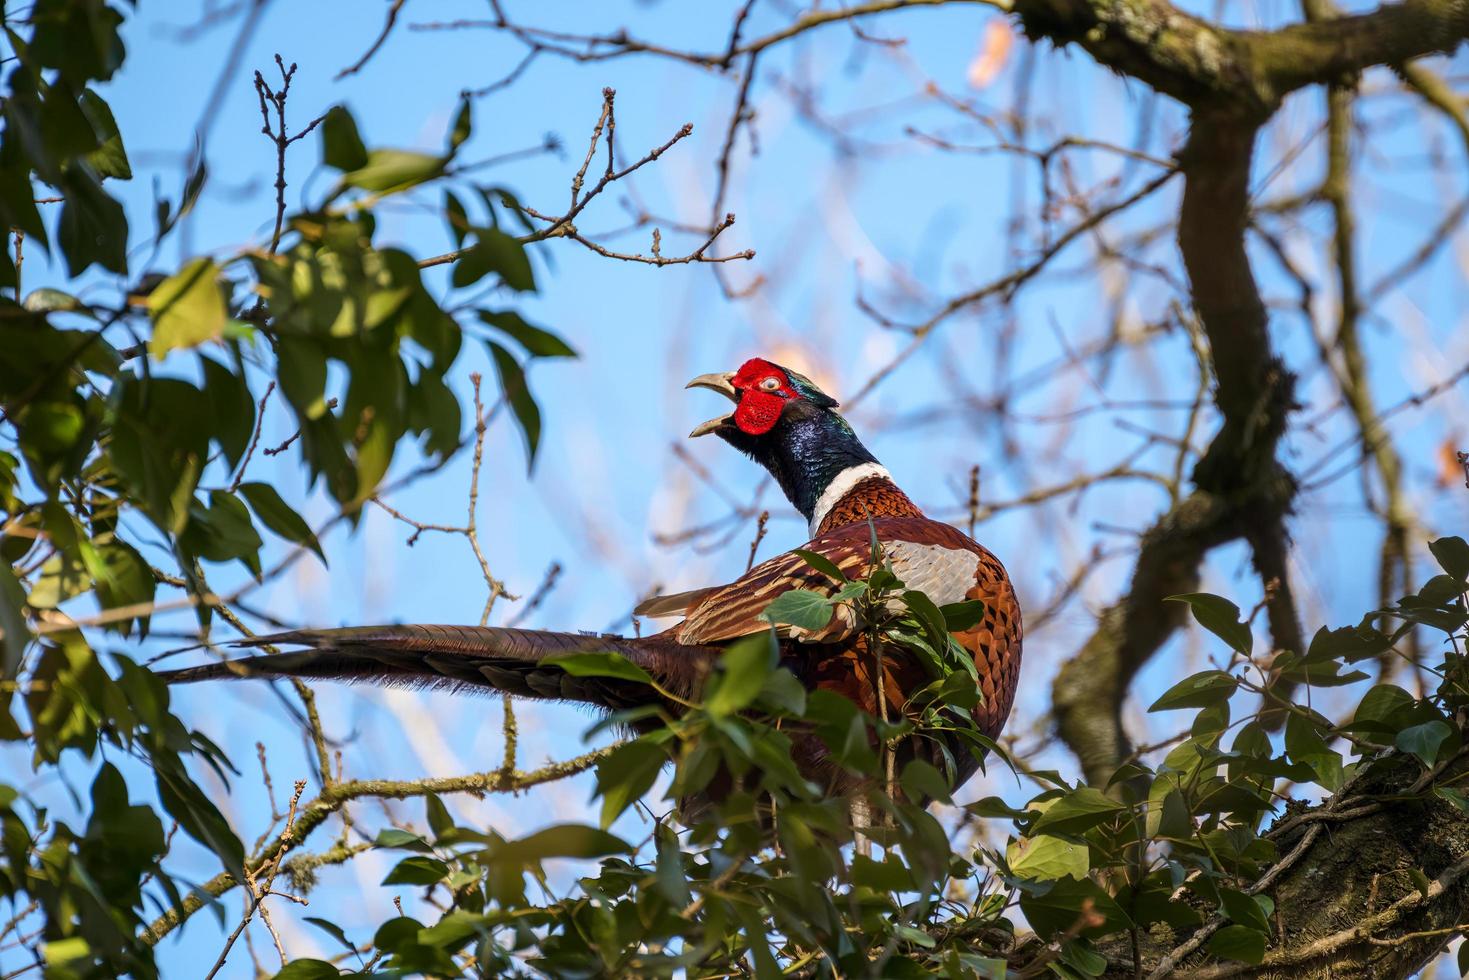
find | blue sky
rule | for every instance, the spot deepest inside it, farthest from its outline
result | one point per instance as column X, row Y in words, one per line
column 905, row 222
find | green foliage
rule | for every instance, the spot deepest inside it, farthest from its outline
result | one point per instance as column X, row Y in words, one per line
column 130, row 424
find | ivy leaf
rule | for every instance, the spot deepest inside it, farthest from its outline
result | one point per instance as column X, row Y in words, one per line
column 1220, row 617
column 187, row 308
column 1424, row 740
column 801, row 608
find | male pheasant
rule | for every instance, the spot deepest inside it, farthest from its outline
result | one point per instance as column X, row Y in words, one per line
column 789, row 426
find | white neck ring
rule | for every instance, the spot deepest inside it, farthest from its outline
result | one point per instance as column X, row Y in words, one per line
column 840, row 486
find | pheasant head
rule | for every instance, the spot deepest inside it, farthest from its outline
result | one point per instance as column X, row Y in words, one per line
column 791, row 427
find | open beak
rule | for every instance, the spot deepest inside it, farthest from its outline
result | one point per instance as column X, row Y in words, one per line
column 722, row 383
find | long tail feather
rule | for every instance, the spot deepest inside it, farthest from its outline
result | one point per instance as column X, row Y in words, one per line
column 508, row 660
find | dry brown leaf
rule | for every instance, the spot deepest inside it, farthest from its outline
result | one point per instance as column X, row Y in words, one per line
column 1451, row 466
column 994, row 50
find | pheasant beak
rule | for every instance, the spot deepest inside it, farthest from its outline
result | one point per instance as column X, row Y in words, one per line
column 722, row 383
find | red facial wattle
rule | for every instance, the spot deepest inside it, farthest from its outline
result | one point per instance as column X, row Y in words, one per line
column 758, row 411
column 763, row 392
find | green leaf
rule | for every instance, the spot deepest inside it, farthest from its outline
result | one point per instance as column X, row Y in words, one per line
column 60, row 951
column 1244, row 910
column 463, row 124
column 309, row 969
column 742, row 672
column 1057, row 909
column 1076, row 954
column 390, row 171
column 1383, row 709
column 196, row 813
column 420, row 869
column 1454, row 796
column 961, row 616
column 929, row 615
column 14, row 633
column 889, row 874
column 801, row 608
column 821, row 563
column 1198, row 691
column 1046, row 858
column 494, row 251
column 341, row 144
column 187, row 309
column 1076, row 812
column 537, row 342
column 232, row 408
column 783, row 693
column 1220, row 617
column 1350, row 643
column 277, row 515
column 47, row 300
column 401, row 840
column 457, row 219
column 921, row 782
column 1453, row 556
column 439, row 820
column 626, row 774
column 93, row 226
column 1238, row 942
column 522, row 403
column 333, row 930
column 1424, row 740
column 600, row 665
column 993, row 807
column 109, row 159
column 567, row 840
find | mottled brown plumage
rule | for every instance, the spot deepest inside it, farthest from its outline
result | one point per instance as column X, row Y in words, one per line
column 794, row 431
column 873, row 497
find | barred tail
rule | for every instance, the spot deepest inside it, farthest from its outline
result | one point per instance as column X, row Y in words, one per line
column 457, row 657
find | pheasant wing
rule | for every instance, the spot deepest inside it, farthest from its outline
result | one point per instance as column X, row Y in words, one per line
column 925, row 554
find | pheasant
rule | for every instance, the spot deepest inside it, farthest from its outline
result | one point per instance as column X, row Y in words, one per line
column 789, row 426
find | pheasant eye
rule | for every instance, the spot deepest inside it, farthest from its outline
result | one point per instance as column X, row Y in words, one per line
column 770, row 384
